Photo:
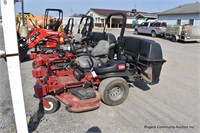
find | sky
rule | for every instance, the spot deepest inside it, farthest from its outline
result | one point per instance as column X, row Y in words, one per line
column 69, row 7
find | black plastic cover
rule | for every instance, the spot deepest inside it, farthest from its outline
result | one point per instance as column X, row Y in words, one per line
column 78, row 74
column 83, row 93
column 146, row 55
column 148, row 50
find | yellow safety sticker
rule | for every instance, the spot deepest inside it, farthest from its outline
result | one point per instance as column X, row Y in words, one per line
column 106, row 27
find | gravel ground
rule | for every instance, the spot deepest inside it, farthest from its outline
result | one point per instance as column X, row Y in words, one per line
column 170, row 106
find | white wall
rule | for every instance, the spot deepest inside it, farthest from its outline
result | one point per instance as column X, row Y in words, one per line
column 172, row 19
column 76, row 20
column 129, row 21
column 94, row 15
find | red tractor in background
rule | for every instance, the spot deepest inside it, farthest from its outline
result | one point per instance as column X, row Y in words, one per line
column 51, row 29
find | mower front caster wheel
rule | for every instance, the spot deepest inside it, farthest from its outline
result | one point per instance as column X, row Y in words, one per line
column 113, row 91
column 54, row 105
column 33, row 65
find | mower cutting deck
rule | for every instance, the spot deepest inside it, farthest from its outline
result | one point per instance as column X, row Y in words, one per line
column 75, row 94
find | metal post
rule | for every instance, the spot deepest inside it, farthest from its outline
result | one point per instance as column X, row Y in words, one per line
column 22, row 4
column 111, row 22
column 11, row 47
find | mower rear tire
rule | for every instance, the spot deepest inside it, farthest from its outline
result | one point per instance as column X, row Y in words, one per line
column 54, row 105
column 113, row 91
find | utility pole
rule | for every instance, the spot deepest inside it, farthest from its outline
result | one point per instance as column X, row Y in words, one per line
column 12, row 56
column 22, row 4
column 71, row 11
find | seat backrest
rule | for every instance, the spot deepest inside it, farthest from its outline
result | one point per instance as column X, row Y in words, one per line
column 56, row 25
column 97, row 36
column 77, row 38
column 102, row 48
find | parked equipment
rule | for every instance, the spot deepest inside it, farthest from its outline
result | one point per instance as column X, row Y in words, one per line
column 94, row 76
column 183, row 32
column 49, row 40
column 77, row 41
column 39, row 38
column 30, row 21
column 76, row 87
column 46, row 22
column 81, row 89
column 152, row 28
column 88, row 37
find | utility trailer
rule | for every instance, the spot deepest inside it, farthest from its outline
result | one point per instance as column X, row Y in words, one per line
column 184, row 33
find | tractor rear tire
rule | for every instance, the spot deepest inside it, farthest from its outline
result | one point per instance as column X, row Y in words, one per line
column 113, row 91
column 54, row 105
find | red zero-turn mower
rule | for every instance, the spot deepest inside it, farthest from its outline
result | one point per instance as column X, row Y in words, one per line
column 77, row 87
column 95, row 77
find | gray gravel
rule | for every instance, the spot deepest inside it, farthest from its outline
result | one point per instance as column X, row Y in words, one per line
column 170, row 106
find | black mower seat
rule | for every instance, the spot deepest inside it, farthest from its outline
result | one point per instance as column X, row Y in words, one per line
column 77, row 38
column 110, row 67
column 99, row 55
column 97, row 36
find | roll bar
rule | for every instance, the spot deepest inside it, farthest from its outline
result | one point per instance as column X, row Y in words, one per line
column 123, row 24
column 60, row 13
column 88, row 18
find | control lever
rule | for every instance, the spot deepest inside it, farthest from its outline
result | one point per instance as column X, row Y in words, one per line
column 4, row 55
